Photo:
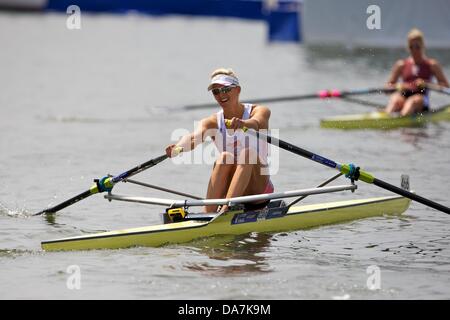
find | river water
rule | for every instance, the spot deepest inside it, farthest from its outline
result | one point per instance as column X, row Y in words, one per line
column 78, row 104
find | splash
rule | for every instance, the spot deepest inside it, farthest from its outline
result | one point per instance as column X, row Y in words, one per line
column 16, row 212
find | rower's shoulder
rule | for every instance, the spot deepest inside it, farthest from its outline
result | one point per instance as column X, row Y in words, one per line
column 260, row 108
column 210, row 121
column 433, row 62
column 400, row 63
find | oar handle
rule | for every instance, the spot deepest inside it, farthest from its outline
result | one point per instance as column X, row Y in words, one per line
column 177, row 150
column 228, row 124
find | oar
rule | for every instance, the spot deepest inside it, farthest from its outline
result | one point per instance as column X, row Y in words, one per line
column 349, row 170
column 437, row 88
column 321, row 95
column 440, row 108
column 105, row 184
column 363, row 102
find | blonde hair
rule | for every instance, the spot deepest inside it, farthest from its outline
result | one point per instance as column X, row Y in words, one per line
column 226, row 71
column 416, row 34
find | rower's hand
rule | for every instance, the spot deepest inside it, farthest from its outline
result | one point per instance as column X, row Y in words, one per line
column 392, row 86
column 173, row 150
column 420, row 84
column 400, row 86
column 404, row 87
column 234, row 123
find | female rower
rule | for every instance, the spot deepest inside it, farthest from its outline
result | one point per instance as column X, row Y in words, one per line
column 415, row 71
column 241, row 168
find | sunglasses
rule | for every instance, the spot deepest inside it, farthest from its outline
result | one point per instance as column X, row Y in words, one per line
column 222, row 90
column 415, row 47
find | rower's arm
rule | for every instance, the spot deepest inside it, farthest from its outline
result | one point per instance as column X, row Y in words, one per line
column 395, row 73
column 439, row 74
column 259, row 118
column 192, row 140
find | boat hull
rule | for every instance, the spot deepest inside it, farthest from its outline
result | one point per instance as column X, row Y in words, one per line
column 235, row 222
column 383, row 121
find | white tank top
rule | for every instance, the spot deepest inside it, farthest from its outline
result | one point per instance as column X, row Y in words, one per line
column 237, row 141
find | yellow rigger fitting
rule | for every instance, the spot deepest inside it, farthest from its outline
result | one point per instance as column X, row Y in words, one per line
column 176, row 214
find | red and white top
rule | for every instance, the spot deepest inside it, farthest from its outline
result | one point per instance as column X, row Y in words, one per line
column 412, row 71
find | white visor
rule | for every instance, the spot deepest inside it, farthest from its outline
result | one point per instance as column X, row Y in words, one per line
column 223, row 79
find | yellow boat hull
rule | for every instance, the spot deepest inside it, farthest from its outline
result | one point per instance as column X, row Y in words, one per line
column 382, row 120
column 235, row 222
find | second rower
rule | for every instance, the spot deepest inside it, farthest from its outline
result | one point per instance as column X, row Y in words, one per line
column 415, row 71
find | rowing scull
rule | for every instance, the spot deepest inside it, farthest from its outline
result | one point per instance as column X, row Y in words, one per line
column 234, row 222
column 382, row 120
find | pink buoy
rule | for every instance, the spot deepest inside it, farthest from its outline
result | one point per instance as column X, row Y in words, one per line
column 324, row 94
column 335, row 93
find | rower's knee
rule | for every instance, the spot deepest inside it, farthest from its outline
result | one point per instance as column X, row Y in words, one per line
column 225, row 158
column 417, row 99
column 396, row 103
column 414, row 104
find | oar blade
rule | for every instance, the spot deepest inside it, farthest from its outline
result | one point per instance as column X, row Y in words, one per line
column 66, row 203
column 410, row 195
